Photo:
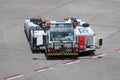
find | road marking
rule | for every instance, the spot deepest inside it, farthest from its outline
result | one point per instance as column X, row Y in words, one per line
column 118, row 50
column 43, row 69
column 71, row 62
column 4, row 39
column 13, row 77
column 97, row 56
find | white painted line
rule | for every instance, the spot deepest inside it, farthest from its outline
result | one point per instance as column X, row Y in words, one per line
column 118, row 50
column 71, row 62
column 97, row 56
column 43, row 69
column 13, row 77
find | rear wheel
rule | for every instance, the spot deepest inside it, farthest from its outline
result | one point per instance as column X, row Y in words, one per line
column 31, row 41
column 86, row 53
column 92, row 52
column 33, row 49
column 46, row 53
column 29, row 35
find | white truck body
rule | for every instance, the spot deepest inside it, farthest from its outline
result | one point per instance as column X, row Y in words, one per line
column 34, row 33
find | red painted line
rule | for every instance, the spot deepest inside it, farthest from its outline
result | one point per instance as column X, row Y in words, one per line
column 42, row 69
column 97, row 56
column 117, row 50
column 13, row 77
column 70, row 62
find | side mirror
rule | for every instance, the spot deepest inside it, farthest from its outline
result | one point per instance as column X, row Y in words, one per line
column 100, row 42
column 85, row 25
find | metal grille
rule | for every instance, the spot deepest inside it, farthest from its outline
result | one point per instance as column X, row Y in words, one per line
column 62, row 47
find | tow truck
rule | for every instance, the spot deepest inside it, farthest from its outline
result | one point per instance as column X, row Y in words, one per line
column 69, row 37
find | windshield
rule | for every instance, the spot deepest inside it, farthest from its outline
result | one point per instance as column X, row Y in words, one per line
column 61, row 32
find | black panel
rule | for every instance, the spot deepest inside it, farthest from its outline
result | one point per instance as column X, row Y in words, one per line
column 34, row 41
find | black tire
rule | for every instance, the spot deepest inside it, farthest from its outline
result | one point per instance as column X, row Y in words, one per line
column 29, row 38
column 46, row 54
column 33, row 50
column 92, row 52
column 86, row 53
column 45, row 51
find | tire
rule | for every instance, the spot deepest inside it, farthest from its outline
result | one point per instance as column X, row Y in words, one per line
column 47, row 57
column 29, row 38
column 86, row 53
column 91, row 52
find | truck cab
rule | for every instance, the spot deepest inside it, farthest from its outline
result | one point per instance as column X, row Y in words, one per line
column 61, row 40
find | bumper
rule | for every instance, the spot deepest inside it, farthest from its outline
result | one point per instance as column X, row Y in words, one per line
column 62, row 54
column 87, row 49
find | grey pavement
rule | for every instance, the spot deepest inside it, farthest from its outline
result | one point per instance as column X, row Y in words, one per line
column 17, row 58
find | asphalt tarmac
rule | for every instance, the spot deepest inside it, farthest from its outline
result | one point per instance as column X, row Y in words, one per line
column 19, row 63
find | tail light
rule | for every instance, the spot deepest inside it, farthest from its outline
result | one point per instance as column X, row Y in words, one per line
column 49, row 50
column 75, row 50
column 81, row 42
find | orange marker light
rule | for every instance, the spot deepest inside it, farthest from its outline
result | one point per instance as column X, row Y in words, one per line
column 49, row 50
column 75, row 23
column 47, row 24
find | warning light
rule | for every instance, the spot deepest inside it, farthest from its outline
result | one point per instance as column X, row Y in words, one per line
column 49, row 50
column 66, row 17
column 47, row 24
column 75, row 23
column 39, row 17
